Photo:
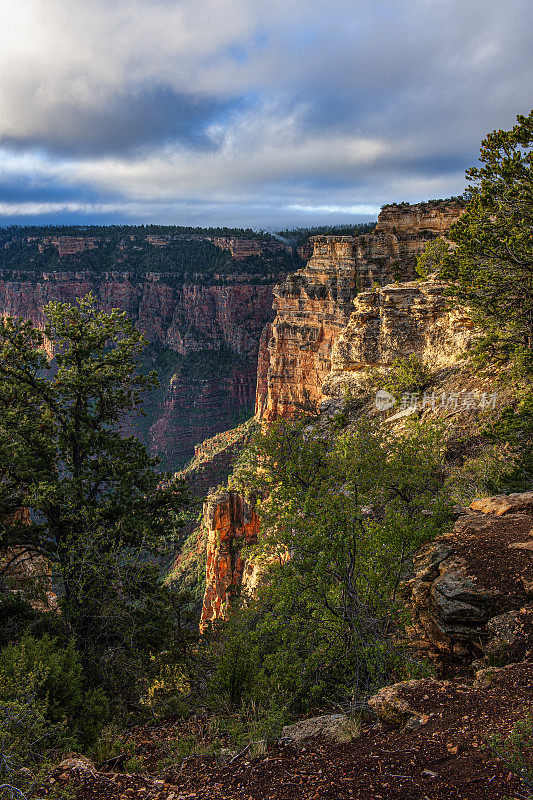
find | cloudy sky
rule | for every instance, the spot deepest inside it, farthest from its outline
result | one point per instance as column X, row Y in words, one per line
column 249, row 112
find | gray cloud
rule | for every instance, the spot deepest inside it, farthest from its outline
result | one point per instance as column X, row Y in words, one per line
column 226, row 104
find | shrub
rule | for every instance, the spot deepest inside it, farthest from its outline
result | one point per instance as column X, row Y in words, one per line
column 407, row 374
column 58, row 685
column 339, row 521
column 27, row 739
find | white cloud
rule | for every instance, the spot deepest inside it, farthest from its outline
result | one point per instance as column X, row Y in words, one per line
column 259, row 149
column 316, row 107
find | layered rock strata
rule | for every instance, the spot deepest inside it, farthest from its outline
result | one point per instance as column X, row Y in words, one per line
column 400, row 320
column 184, row 317
column 318, row 328
column 230, row 522
column 221, row 323
column 312, row 308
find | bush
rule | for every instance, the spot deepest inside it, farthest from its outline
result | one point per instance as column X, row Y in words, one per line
column 340, row 520
column 407, row 374
column 58, row 685
column 27, row 739
column 515, row 429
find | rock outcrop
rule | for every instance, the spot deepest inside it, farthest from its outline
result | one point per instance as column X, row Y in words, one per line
column 336, row 727
column 473, row 588
column 318, row 328
column 399, row 320
column 329, row 324
column 389, row 252
column 312, row 307
column 230, row 522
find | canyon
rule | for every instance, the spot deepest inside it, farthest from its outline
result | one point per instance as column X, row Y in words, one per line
column 203, row 328
column 360, row 290
column 352, row 309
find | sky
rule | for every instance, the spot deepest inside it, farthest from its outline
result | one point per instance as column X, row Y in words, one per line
column 250, row 113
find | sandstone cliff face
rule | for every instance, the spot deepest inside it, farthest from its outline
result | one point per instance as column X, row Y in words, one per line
column 389, row 252
column 398, row 320
column 329, row 324
column 316, row 319
column 312, row 307
column 230, row 522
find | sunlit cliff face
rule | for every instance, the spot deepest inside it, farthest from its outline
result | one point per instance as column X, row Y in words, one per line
column 317, row 320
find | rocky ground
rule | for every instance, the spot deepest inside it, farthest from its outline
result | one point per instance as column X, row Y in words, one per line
column 440, row 752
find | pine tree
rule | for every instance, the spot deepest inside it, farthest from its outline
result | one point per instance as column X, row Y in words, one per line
column 490, row 261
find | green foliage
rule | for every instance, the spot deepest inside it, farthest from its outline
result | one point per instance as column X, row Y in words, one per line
column 407, row 374
column 341, row 519
column 516, row 750
column 185, row 254
column 514, row 431
column 27, row 740
column 490, row 260
column 432, row 257
column 97, row 507
column 60, row 689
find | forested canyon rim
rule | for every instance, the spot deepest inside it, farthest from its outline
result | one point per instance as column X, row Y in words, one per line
column 203, row 329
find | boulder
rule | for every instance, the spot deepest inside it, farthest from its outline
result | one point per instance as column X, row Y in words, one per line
column 457, row 599
column 393, row 710
column 516, row 503
column 77, row 763
column 428, row 560
column 333, row 726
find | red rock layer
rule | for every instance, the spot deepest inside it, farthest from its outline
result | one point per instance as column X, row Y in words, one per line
column 187, row 318
column 263, row 363
column 230, row 522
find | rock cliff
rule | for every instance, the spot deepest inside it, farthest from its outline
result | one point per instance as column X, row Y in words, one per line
column 210, row 334
column 312, row 308
column 316, row 319
column 230, row 521
column 473, row 588
column 341, row 314
column 184, row 317
column 400, row 319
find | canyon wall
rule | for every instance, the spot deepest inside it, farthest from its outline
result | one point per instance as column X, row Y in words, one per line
column 355, row 305
column 317, row 311
column 203, row 338
column 398, row 320
column 184, row 317
column 229, row 522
